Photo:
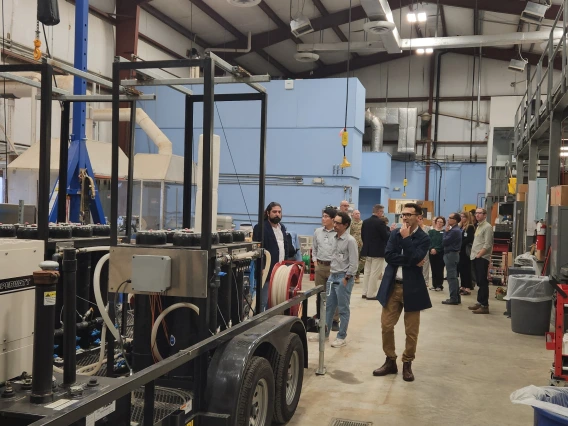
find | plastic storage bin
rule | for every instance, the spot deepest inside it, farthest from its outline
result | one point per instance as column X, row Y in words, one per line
column 550, row 404
column 531, row 304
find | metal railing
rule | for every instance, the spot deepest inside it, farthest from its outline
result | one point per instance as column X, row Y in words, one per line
column 527, row 120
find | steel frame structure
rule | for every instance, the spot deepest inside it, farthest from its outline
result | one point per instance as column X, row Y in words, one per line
column 538, row 119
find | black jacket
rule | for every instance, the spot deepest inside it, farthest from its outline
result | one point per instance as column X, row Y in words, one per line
column 406, row 253
column 375, row 235
column 270, row 242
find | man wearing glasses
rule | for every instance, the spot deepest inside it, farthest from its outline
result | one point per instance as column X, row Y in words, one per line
column 452, row 245
column 481, row 255
column 344, row 263
column 322, row 252
column 403, row 286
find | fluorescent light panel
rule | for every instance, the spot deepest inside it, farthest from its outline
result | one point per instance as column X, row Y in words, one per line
column 564, row 154
column 411, row 17
column 422, row 17
column 420, row 51
column 564, row 148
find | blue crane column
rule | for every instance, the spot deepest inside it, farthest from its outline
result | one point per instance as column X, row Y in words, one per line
column 78, row 155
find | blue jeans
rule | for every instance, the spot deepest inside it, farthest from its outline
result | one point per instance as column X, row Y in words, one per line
column 451, row 260
column 338, row 295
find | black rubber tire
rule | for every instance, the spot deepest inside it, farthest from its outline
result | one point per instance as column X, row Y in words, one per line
column 257, row 369
column 283, row 412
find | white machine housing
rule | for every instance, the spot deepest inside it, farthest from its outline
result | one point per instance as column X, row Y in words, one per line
column 18, row 260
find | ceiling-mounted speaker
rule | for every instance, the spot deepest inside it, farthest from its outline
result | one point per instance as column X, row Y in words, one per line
column 244, row 3
column 378, row 27
column 306, row 57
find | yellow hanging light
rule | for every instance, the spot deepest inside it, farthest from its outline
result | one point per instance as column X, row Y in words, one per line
column 344, row 142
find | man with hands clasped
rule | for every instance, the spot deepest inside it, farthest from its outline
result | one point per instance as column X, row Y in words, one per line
column 403, row 287
column 344, row 263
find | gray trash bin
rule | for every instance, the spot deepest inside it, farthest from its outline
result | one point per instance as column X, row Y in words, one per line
column 518, row 270
column 531, row 304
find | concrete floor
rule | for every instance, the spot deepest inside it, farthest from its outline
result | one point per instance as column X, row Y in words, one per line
column 466, row 367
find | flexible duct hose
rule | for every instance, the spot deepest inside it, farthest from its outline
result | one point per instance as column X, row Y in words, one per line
column 159, row 320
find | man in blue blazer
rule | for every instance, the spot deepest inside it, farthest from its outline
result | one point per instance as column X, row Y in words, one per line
column 403, row 287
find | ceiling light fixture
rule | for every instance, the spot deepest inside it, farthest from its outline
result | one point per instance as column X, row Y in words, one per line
column 429, row 50
column 420, row 51
column 564, row 154
column 564, row 148
column 422, row 17
column 411, row 17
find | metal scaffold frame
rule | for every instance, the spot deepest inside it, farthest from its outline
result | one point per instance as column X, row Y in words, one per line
column 539, row 117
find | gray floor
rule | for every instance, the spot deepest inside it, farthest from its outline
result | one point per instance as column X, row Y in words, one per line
column 466, row 367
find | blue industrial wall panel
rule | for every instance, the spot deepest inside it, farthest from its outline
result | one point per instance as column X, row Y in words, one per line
column 462, row 183
column 376, row 170
column 368, row 197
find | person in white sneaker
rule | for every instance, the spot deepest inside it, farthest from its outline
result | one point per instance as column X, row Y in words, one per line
column 344, row 263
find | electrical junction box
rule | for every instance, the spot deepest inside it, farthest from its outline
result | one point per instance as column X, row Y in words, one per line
column 289, row 84
column 151, row 273
column 18, row 260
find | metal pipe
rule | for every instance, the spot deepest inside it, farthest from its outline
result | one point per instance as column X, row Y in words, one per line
column 114, row 154
column 187, row 163
column 45, row 282
column 478, row 87
column 130, row 184
column 321, row 330
column 438, row 73
column 261, row 193
column 69, row 272
column 471, row 121
column 208, row 125
column 44, row 153
column 63, row 160
column 213, row 49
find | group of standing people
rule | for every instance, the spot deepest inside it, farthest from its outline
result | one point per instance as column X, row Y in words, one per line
column 399, row 255
column 461, row 245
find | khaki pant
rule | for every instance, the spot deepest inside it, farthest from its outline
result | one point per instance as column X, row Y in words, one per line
column 322, row 274
column 374, row 269
column 389, row 318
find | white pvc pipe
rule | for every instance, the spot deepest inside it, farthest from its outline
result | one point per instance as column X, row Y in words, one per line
column 222, row 49
column 99, row 297
column 215, row 165
column 158, row 321
column 144, row 121
column 92, row 249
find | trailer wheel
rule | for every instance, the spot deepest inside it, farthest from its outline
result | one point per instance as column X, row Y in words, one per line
column 256, row 399
column 289, row 375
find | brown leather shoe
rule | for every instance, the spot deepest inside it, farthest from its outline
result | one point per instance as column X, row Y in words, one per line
column 407, row 374
column 474, row 307
column 482, row 310
column 389, row 367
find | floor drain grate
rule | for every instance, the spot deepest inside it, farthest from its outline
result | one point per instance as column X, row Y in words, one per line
column 343, row 422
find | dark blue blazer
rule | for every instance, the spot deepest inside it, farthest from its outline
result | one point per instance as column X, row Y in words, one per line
column 416, row 247
column 270, row 242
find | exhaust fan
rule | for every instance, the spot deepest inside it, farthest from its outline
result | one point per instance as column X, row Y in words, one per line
column 534, row 12
column 301, row 25
column 244, row 3
column 378, row 27
column 517, row 65
column 306, row 57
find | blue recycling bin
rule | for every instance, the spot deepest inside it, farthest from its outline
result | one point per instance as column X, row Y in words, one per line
column 546, row 418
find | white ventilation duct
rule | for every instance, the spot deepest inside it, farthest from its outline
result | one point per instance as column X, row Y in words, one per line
column 377, row 131
column 405, row 120
column 144, row 121
column 215, row 164
column 379, row 10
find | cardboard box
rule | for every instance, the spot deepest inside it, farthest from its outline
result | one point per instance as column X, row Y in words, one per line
column 559, row 195
column 523, row 187
column 521, row 196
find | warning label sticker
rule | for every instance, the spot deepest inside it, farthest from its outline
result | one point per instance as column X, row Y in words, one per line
column 49, row 298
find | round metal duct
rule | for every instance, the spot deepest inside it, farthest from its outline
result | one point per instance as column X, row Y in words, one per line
column 244, row 3
column 378, row 27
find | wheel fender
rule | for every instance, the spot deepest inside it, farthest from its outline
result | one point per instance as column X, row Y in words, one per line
column 227, row 368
